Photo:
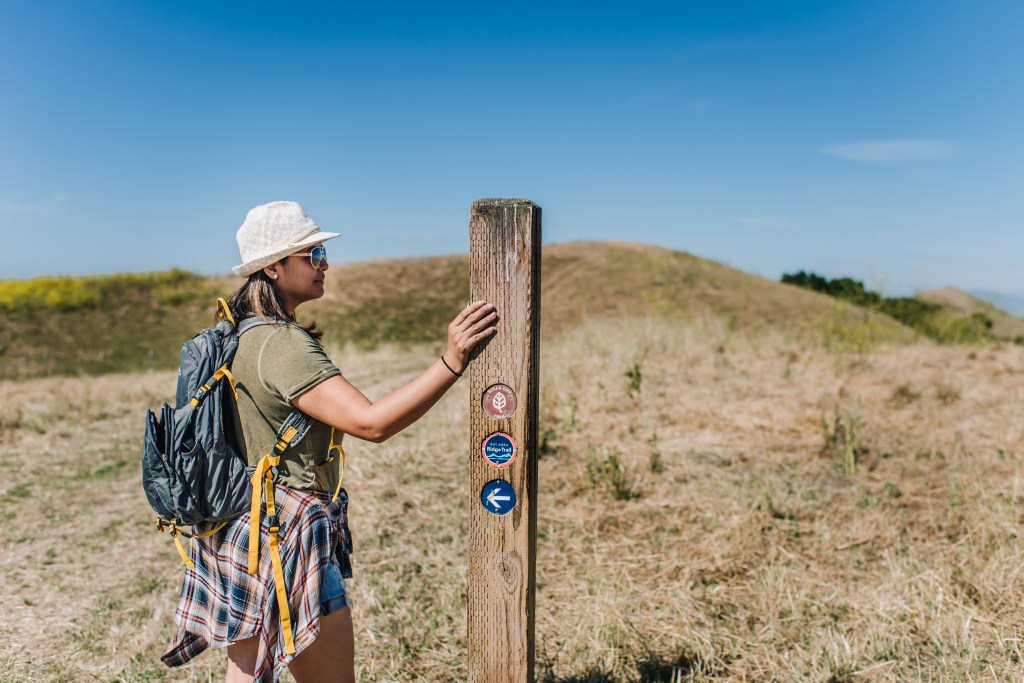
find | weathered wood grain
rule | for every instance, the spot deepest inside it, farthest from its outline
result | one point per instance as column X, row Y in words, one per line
column 505, row 241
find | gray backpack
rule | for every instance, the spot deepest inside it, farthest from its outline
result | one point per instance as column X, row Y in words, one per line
column 192, row 468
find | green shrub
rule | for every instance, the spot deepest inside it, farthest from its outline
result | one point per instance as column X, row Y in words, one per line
column 911, row 312
column 64, row 293
column 972, row 329
column 930, row 319
column 844, row 334
column 55, row 293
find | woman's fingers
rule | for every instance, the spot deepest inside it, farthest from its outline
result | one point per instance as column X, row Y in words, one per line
column 483, row 322
column 473, row 324
column 480, row 336
column 477, row 314
column 470, row 328
column 469, row 310
column 472, row 319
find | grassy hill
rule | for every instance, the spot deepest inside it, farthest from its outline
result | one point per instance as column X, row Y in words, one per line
column 756, row 509
column 139, row 321
column 1004, row 325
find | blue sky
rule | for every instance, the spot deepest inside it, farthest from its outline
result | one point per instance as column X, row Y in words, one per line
column 881, row 140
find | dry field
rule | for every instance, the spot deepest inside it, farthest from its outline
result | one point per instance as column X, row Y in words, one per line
column 713, row 507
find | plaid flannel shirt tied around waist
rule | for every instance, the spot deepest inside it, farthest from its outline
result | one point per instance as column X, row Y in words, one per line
column 222, row 603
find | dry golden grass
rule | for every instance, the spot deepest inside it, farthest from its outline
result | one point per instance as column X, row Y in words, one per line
column 700, row 518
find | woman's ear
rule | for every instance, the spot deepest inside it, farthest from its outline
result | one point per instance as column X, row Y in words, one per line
column 271, row 271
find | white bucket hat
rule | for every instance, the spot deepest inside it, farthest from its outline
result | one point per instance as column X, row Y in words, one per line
column 271, row 232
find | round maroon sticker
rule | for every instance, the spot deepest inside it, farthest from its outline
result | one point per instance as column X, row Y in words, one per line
column 499, row 402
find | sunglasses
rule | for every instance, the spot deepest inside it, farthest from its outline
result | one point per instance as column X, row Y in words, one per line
column 317, row 256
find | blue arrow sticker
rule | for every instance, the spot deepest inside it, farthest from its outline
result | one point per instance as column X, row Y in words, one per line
column 499, row 450
column 498, row 497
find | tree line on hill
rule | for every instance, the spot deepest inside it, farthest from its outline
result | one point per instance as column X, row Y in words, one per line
column 930, row 319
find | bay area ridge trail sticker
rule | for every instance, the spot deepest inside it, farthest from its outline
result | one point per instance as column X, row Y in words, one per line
column 498, row 497
column 499, row 450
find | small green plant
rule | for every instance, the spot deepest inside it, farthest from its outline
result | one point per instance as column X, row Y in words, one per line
column 636, row 378
column 546, row 437
column 868, row 498
column 791, row 357
column 903, row 396
column 843, row 440
column 9, row 425
column 947, row 394
column 655, row 463
column 16, row 492
column 611, row 474
column 892, row 491
column 769, row 507
column 570, row 423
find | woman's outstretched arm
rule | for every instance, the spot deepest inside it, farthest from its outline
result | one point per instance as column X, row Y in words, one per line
column 340, row 404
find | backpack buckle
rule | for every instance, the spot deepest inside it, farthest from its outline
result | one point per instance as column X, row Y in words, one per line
column 274, row 523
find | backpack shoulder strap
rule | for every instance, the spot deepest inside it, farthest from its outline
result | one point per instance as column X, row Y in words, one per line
column 292, row 431
column 249, row 323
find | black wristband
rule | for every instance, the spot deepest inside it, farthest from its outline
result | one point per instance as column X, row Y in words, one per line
column 457, row 374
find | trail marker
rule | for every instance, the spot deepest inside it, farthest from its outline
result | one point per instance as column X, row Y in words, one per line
column 498, row 497
column 499, row 450
column 504, row 265
column 499, row 401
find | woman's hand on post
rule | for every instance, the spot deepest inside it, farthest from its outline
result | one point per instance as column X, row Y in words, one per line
column 474, row 324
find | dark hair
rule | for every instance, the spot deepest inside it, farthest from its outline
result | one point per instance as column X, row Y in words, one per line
column 259, row 297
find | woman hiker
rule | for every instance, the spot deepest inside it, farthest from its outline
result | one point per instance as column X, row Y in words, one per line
column 279, row 368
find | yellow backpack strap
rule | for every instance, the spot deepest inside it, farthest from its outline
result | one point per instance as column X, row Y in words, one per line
column 285, row 439
column 263, row 489
column 176, row 533
column 341, row 465
column 275, row 558
column 211, row 532
column 224, row 312
column 220, row 374
column 223, row 371
column 262, row 474
column 263, row 480
column 173, row 530
column 263, row 486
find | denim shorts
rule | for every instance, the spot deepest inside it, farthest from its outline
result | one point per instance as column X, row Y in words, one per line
column 333, row 595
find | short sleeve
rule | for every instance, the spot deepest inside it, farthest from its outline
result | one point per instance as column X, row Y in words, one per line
column 291, row 362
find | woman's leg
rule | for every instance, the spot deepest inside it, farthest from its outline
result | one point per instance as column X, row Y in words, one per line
column 329, row 658
column 242, row 660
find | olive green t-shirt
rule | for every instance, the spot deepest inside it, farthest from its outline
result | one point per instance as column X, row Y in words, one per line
column 273, row 365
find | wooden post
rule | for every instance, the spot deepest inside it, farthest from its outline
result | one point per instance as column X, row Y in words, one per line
column 504, row 264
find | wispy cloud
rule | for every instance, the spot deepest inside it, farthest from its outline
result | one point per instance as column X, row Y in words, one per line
column 891, row 151
column 764, row 221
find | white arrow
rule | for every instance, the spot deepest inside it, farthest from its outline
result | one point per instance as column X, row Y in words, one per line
column 493, row 498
